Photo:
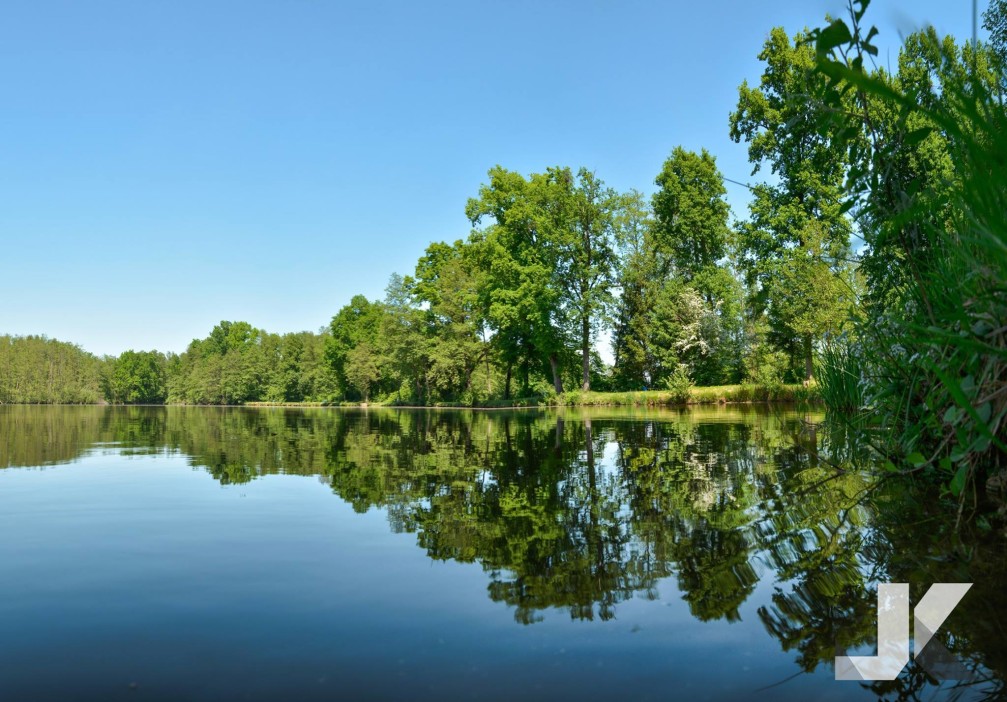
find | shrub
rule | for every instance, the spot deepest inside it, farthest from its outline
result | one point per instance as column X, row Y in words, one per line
column 679, row 385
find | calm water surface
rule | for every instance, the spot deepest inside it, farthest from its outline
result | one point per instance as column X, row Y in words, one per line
column 268, row 554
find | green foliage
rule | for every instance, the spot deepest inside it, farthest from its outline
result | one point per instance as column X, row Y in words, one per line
column 709, row 395
column 449, row 283
column 934, row 355
column 684, row 330
column 547, row 263
column 690, row 232
column 838, row 373
column 587, row 270
column 995, row 22
column 793, row 251
column 356, row 323
column 38, row 370
column 137, row 377
column 764, row 364
column 362, row 371
column 519, row 255
column 679, row 384
column 238, row 363
column 632, row 347
column 679, row 303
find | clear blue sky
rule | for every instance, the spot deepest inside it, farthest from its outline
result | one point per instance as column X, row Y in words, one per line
column 166, row 165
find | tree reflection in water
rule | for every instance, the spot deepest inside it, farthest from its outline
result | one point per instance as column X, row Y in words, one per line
column 581, row 510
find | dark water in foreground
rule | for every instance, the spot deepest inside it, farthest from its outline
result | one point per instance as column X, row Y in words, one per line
column 203, row 553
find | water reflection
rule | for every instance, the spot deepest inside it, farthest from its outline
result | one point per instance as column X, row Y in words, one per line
column 582, row 510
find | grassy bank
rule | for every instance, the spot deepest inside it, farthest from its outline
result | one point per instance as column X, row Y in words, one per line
column 297, row 404
column 720, row 394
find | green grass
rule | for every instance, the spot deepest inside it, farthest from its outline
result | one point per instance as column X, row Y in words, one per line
column 290, row 404
column 718, row 394
column 838, row 375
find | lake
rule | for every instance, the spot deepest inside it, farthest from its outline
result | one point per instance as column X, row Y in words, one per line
column 724, row 553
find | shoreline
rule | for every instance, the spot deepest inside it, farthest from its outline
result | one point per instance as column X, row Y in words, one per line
column 698, row 396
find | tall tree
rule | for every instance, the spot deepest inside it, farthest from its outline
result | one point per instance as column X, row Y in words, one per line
column 800, row 216
column 588, row 264
column 631, row 342
column 519, row 252
column 549, row 260
column 362, row 369
column 690, row 215
column 690, row 242
column 355, row 323
column 447, row 283
column 402, row 344
column 673, row 263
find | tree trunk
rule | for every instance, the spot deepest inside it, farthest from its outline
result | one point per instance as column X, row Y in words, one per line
column 594, row 536
column 510, row 366
column 557, row 381
column 469, row 372
column 585, row 349
column 808, row 361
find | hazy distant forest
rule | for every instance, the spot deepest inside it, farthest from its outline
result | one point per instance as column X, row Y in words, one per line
column 873, row 258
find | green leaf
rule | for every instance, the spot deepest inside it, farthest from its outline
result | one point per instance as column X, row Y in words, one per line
column 917, row 135
column 968, row 385
column 958, row 482
column 916, row 459
column 984, row 411
column 847, row 206
column 859, row 13
column 832, row 36
column 958, row 393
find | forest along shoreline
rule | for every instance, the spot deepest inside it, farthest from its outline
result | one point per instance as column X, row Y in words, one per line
column 720, row 395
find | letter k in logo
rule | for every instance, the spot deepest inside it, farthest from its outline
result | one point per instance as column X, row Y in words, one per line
column 893, row 635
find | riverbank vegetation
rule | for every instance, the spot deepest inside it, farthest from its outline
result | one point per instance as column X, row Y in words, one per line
column 871, row 265
column 924, row 149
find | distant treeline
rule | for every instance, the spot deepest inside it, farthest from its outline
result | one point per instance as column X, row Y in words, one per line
column 236, row 363
column 36, row 370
